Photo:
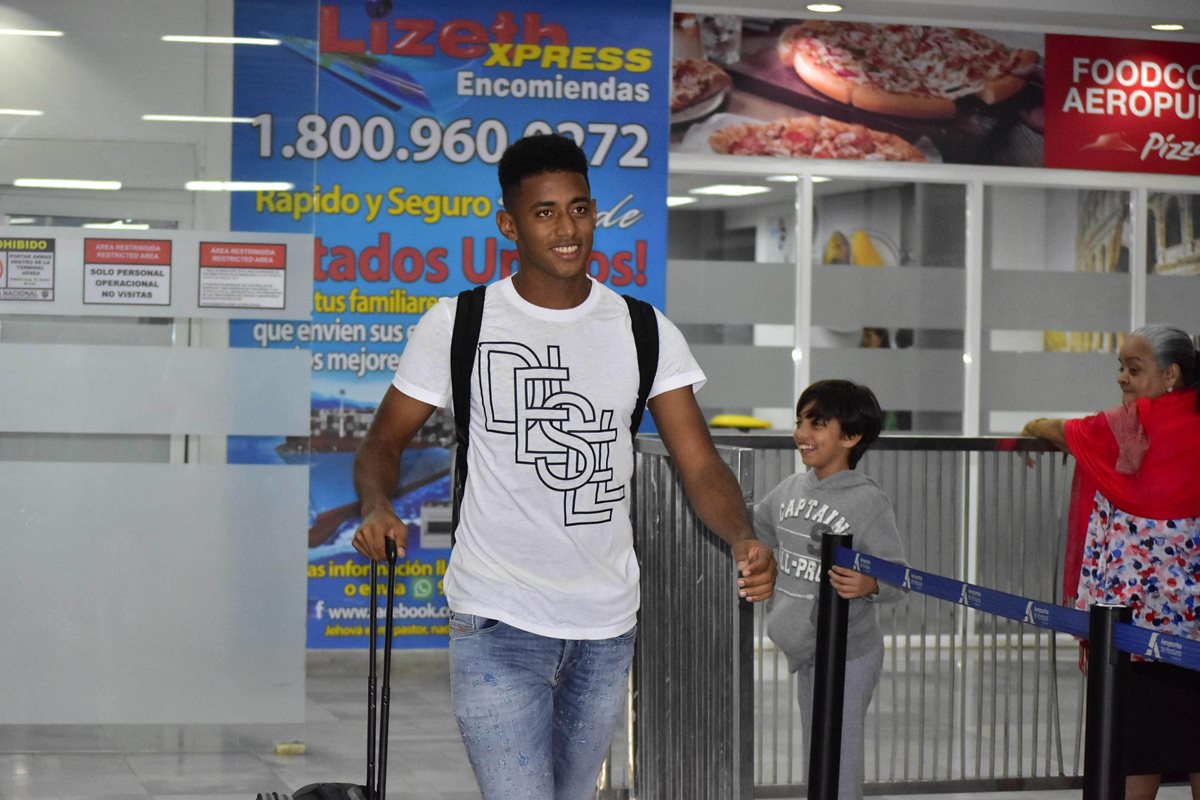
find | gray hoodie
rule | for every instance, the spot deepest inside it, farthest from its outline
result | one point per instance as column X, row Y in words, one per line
column 791, row 518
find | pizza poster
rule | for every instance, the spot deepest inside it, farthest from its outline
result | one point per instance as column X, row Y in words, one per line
column 26, row 268
column 388, row 120
column 1122, row 104
column 131, row 272
column 823, row 89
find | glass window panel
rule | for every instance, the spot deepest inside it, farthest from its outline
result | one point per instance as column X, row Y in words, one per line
column 92, row 91
column 1056, row 300
column 731, row 288
column 1173, row 263
column 888, row 296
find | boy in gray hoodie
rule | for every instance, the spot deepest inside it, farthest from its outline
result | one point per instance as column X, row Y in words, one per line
column 836, row 421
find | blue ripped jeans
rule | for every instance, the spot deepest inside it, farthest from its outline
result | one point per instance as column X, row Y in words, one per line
column 536, row 714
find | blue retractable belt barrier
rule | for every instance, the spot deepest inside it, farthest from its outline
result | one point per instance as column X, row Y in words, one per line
column 1111, row 637
column 1129, row 638
column 1158, row 646
column 1011, row 606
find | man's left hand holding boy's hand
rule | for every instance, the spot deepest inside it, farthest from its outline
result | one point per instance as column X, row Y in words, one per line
column 756, row 570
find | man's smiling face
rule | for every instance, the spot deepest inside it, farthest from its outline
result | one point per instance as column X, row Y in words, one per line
column 552, row 218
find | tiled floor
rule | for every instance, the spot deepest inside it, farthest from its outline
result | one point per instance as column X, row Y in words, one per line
column 212, row 762
column 209, row 762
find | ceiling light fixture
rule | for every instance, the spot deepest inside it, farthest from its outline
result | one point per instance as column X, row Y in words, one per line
column 24, row 32
column 118, row 225
column 66, row 183
column 824, row 8
column 219, row 40
column 729, row 190
column 190, row 118
column 676, row 200
column 21, row 112
column 1167, row 26
column 238, row 186
column 796, row 179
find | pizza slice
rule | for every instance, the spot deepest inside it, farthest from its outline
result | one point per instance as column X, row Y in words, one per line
column 793, row 136
column 956, row 62
column 847, row 140
column 894, row 87
column 903, row 70
column 694, row 81
column 854, row 36
column 862, row 65
column 902, row 42
column 812, row 137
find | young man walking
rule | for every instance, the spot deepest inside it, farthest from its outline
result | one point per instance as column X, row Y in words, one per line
column 543, row 580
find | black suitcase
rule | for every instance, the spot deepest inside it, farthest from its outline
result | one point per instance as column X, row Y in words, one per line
column 376, row 784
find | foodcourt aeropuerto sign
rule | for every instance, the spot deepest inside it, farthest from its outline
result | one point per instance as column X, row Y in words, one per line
column 1122, row 104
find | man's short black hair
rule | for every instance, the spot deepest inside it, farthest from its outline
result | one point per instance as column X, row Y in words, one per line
column 534, row 155
column 854, row 407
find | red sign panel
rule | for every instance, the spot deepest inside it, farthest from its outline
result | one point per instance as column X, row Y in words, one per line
column 1122, row 104
column 243, row 255
column 155, row 252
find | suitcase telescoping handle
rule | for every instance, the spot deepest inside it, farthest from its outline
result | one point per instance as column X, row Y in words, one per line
column 376, row 787
column 377, row 729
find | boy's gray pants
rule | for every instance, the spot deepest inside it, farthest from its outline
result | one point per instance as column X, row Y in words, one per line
column 862, row 676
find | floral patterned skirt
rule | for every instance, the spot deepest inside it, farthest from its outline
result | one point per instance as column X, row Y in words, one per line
column 1152, row 566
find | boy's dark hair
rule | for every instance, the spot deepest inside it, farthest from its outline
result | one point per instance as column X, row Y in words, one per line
column 854, row 407
column 534, row 155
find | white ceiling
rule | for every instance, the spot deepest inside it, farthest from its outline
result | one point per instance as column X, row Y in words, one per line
column 95, row 83
column 1102, row 17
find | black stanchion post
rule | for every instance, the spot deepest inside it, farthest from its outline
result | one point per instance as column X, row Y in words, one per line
column 829, row 676
column 1103, row 747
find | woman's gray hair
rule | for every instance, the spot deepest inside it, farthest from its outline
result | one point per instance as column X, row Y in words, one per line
column 1171, row 346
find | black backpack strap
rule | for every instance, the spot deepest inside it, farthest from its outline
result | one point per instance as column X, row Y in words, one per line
column 645, row 336
column 467, row 319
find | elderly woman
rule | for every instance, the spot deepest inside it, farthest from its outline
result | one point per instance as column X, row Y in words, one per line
column 1142, row 545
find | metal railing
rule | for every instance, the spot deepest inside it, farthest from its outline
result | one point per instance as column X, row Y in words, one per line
column 692, row 679
column 966, row 701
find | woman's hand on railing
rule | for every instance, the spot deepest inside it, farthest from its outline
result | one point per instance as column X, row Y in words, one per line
column 756, row 569
column 1052, row 430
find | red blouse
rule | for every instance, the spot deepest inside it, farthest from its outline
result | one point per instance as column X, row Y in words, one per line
column 1166, row 484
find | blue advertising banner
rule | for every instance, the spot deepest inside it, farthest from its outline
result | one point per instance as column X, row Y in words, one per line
column 388, row 121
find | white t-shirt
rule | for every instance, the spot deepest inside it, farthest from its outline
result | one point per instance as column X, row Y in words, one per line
column 544, row 541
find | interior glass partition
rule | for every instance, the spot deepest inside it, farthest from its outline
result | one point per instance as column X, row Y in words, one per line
column 888, row 296
column 1057, row 265
column 1172, row 258
column 172, row 579
column 731, row 288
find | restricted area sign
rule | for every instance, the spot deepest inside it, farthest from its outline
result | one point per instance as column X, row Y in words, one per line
column 243, row 275
column 135, row 272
